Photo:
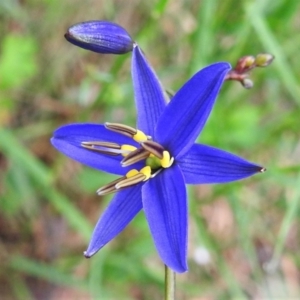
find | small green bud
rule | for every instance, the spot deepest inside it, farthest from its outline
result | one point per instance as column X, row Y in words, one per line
column 244, row 64
column 249, row 61
column 264, row 59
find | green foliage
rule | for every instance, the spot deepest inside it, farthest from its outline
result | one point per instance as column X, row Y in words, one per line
column 48, row 204
column 17, row 63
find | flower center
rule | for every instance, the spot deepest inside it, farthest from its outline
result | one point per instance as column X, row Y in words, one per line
column 155, row 156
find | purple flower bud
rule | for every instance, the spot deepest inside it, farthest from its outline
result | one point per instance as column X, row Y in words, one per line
column 100, row 37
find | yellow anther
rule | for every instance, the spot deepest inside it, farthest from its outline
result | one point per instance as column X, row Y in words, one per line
column 166, row 161
column 132, row 173
column 128, row 148
column 146, row 171
column 140, row 136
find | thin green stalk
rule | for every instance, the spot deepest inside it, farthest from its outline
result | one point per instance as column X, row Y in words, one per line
column 204, row 36
column 289, row 218
column 169, row 284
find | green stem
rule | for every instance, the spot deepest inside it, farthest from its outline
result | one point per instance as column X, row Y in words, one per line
column 169, row 284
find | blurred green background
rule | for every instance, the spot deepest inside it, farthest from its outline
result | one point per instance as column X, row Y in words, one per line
column 244, row 236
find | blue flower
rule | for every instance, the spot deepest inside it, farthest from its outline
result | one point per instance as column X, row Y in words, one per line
column 156, row 160
column 101, row 37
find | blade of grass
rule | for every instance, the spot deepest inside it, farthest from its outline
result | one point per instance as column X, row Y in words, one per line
column 96, row 274
column 289, row 218
column 203, row 42
column 209, row 242
column 243, row 217
column 233, row 286
column 272, row 45
column 20, row 289
column 46, row 272
column 159, row 8
column 20, row 156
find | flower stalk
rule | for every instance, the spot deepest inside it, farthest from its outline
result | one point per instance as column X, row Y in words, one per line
column 170, row 284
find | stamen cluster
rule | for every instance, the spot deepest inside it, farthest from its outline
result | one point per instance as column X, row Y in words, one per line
column 155, row 156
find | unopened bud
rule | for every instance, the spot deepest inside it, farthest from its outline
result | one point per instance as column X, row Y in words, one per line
column 264, row 59
column 101, row 37
column 245, row 63
column 249, row 61
column 247, row 83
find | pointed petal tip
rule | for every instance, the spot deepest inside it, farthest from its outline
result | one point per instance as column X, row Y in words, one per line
column 100, row 36
column 182, row 268
column 54, row 142
column 86, row 255
column 259, row 169
column 204, row 164
column 68, row 36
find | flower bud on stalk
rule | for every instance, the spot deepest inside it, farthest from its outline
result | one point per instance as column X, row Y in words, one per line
column 247, row 83
column 101, row 37
column 247, row 63
column 244, row 64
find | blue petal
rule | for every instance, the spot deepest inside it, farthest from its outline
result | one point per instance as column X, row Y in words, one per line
column 67, row 139
column 149, row 94
column 100, row 37
column 185, row 116
column 205, row 164
column 165, row 205
column 122, row 209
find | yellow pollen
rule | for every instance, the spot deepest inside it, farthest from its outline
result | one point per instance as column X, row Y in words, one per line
column 166, row 161
column 128, row 148
column 140, row 136
column 132, row 173
column 146, row 171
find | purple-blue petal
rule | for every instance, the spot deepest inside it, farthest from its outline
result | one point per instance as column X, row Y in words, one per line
column 67, row 139
column 187, row 113
column 165, row 205
column 100, row 36
column 149, row 94
column 121, row 210
column 204, row 164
